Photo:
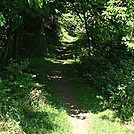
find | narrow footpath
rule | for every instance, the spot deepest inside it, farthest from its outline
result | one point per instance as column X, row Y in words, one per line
column 62, row 84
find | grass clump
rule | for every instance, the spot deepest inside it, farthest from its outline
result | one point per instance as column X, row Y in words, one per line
column 105, row 123
column 27, row 107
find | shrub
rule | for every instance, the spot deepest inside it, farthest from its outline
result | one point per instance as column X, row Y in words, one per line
column 115, row 80
column 122, row 101
column 15, row 83
column 15, row 78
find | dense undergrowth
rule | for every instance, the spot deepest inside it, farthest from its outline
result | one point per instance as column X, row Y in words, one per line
column 33, row 107
column 112, row 73
column 102, row 119
column 34, row 29
column 105, row 52
column 115, row 79
column 26, row 106
column 106, row 90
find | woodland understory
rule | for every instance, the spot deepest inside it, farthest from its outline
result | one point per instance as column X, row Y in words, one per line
column 99, row 36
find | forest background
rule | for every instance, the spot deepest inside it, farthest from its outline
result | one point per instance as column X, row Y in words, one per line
column 103, row 49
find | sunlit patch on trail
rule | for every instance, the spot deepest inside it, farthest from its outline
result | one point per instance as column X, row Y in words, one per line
column 54, row 77
column 62, row 84
column 59, row 61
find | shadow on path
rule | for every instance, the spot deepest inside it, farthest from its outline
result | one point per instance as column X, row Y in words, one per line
column 62, row 84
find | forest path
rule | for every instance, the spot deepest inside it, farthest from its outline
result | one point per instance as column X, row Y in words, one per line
column 62, row 83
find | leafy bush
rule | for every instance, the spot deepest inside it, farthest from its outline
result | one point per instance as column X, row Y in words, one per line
column 15, row 79
column 25, row 106
column 115, row 80
column 15, row 87
column 14, row 83
column 122, row 101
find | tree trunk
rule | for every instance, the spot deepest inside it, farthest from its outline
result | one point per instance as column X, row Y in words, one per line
column 87, row 33
column 7, row 44
column 86, row 26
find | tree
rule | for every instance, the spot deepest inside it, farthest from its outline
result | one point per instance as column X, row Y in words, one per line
column 17, row 19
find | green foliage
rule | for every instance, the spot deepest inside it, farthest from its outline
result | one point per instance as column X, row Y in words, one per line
column 91, row 101
column 115, row 79
column 122, row 96
column 14, row 84
column 120, row 15
column 15, row 79
column 122, row 102
column 110, row 66
column 2, row 19
column 37, row 37
column 107, row 23
column 26, row 106
column 105, row 123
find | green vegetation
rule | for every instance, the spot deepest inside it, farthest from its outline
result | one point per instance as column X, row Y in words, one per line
column 105, row 123
column 92, row 101
column 100, row 55
column 27, row 106
column 102, row 50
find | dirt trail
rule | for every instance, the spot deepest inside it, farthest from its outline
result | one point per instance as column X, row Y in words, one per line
column 62, row 84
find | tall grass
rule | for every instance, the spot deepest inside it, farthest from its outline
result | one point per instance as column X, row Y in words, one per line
column 37, row 111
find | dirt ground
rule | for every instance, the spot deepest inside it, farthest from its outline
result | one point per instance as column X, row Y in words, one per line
column 62, row 85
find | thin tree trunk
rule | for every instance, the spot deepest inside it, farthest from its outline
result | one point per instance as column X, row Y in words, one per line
column 87, row 33
column 7, row 44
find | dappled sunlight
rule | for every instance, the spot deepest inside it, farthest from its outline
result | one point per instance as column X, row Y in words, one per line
column 66, row 67
column 35, row 93
column 35, row 114
column 106, row 123
column 59, row 61
column 62, row 84
column 65, row 37
column 54, row 77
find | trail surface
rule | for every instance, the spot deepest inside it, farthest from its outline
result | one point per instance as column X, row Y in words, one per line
column 61, row 83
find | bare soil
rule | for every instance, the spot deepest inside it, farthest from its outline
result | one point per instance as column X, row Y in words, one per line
column 62, row 84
